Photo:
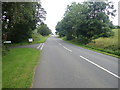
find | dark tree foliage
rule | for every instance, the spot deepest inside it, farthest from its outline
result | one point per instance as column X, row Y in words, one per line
column 19, row 19
column 87, row 21
column 43, row 30
column 59, row 29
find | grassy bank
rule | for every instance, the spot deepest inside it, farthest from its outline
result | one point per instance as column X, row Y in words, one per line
column 110, row 43
column 37, row 38
column 108, row 46
column 0, row 68
column 18, row 67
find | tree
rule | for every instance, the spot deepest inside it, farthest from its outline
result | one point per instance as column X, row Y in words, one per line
column 59, row 29
column 43, row 29
column 87, row 21
column 19, row 19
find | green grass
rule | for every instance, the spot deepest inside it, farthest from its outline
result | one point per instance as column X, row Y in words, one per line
column 37, row 39
column 108, row 43
column 108, row 46
column 18, row 67
column 0, row 68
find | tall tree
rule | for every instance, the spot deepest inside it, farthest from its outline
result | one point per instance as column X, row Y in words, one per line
column 19, row 19
column 87, row 21
column 43, row 29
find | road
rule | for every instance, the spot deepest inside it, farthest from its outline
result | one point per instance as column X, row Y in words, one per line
column 64, row 65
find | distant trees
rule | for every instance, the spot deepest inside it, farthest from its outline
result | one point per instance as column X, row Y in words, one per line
column 43, row 29
column 118, row 27
column 86, row 21
column 19, row 19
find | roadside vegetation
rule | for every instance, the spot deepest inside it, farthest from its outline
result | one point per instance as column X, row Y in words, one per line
column 37, row 38
column 108, row 43
column 21, row 21
column 108, row 46
column 0, row 68
column 87, row 24
column 18, row 67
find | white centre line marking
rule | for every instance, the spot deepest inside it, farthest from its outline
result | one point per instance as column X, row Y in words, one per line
column 59, row 43
column 101, row 67
column 42, row 46
column 39, row 46
column 67, row 49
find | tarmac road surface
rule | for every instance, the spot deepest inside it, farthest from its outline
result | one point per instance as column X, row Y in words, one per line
column 64, row 65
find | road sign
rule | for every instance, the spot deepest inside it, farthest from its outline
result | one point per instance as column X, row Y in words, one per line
column 7, row 42
column 30, row 39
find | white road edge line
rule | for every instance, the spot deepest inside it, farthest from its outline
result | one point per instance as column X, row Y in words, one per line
column 101, row 67
column 42, row 46
column 39, row 46
column 67, row 49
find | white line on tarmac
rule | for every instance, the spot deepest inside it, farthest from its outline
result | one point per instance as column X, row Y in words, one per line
column 59, row 43
column 101, row 67
column 39, row 46
column 64, row 47
column 42, row 46
column 67, row 49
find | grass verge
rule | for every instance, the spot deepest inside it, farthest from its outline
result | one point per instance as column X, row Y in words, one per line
column 100, row 50
column 18, row 67
column 111, row 43
column 0, row 68
column 36, row 37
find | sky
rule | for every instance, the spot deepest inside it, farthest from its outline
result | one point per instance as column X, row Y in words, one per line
column 56, row 8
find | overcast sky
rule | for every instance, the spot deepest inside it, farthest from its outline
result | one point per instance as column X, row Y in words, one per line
column 56, row 8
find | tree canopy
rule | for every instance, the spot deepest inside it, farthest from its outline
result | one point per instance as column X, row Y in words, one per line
column 20, row 18
column 86, row 21
column 43, row 29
